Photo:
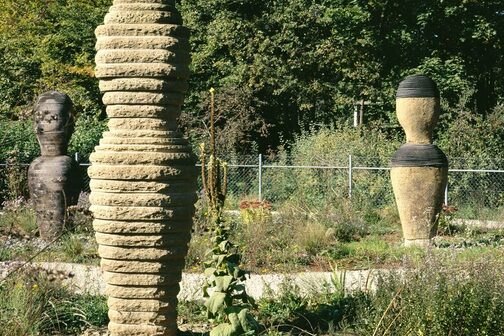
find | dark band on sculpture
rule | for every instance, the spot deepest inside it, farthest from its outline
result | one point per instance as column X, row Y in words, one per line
column 59, row 97
column 417, row 86
column 419, row 155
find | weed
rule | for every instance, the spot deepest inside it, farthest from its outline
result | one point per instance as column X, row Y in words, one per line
column 373, row 251
column 80, row 219
column 77, row 248
column 18, row 218
column 441, row 297
column 198, row 247
column 227, row 300
column 192, row 312
column 16, row 177
column 32, row 304
column 254, row 211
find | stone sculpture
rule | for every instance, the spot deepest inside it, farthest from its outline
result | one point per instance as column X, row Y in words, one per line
column 143, row 174
column 419, row 168
column 53, row 177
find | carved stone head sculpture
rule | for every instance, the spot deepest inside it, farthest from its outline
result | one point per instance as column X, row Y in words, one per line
column 53, row 177
column 54, row 122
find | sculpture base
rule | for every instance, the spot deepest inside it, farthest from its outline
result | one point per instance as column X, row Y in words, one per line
column 424, row 243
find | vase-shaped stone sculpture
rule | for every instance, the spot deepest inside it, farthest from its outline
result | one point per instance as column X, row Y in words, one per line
column 143, row 175
column 53, row 177
column 419, row 168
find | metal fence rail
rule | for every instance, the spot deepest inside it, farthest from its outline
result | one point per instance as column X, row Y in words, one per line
column 364, row 181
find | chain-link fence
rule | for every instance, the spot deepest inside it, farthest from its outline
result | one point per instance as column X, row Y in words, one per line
column 364, row 182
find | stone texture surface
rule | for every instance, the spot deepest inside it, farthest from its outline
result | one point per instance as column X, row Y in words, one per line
column 418, row 117
column 53, row 178
column 143, row 174
column 418, row 182
column 419, row 195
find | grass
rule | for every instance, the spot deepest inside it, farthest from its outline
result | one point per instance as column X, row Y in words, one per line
column 32, row 303
column 454, row 288
column 73, row 248
column 18, row 218
column 442, row 295
column 18, row 226
column 288, row 241
column 296, row 239
column 476, row 212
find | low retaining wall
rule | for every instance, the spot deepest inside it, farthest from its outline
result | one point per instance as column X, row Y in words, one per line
column 88, row 279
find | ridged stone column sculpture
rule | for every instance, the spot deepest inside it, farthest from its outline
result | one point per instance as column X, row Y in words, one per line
column 143, row 172
column 419, row 168
column 53, row 177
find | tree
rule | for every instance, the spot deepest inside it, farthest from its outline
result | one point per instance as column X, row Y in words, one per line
column 45, row 45
column 308, row 61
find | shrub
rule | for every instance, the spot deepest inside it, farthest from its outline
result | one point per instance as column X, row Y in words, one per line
column 14, row 177
column 18, row 136
column 324, row 188
column 87, row 134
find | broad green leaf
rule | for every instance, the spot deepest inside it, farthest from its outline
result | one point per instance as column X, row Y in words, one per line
column 247, row 322
column 215, row 302
column 223, row 282
column 210, row 271
column 235, row 321
column 224, row 329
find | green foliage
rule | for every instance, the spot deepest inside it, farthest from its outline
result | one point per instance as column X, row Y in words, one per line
column 48, row 45
column 18, row 218
column 323, row 189
column 306, row 62
column 15, row 178
column 290, row 312
column 478, row 139
column 87, row 134
column 73, row 247
column 441, row 297
column 228, row 302
column 31, row 304
column 281, row 66
column 475, row 141
column 18, row 137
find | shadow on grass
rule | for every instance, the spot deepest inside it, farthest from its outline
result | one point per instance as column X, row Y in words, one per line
column 191, row 333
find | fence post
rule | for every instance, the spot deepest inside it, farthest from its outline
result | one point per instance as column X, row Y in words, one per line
column 260, row 177
column 350, row 176
column 446, row 194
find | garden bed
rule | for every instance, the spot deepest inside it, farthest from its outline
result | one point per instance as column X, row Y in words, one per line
column 462, row 271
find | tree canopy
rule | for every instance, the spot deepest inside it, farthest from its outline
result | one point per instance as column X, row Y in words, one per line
column 280, row 67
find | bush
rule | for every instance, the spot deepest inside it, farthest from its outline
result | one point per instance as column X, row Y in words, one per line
column 475, row 141
column 87, row 135
column 18, row 136
column 317, row 188
column 14, row 178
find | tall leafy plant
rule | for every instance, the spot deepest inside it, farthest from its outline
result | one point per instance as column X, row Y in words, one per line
column 227, row 302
